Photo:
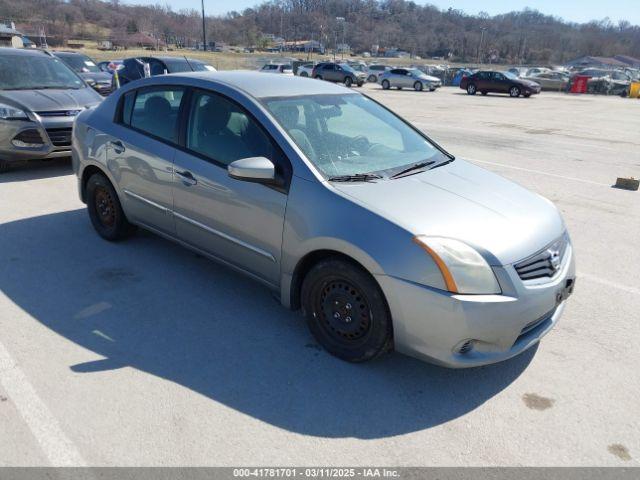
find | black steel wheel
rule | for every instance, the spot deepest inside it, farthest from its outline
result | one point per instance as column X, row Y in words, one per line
column 346, row 311
column 105, row 210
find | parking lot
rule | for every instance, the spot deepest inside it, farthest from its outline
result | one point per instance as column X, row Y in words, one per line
column 143, row 353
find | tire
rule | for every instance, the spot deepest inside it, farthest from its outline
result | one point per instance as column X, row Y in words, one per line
column 304, row 74
column 471, row 89
column 432, row 89
column 386, row 85
column 514, row 92
column 333, row 289
column 399, row 88
column 484, row 93
column 417, row 86
column 372, row 78
column 105, row 210
column 348, row 82
column 527, row 95
column 318, row 77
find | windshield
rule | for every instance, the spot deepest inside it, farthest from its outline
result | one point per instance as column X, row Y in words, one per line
column 30, row 72
column 416, row 72
column 510, row 75
column 347, row 68
column 79, row 63
column 348, row 134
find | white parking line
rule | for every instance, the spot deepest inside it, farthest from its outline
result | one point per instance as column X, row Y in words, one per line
column 609, row 283
column 539, row 172
column 57, row 447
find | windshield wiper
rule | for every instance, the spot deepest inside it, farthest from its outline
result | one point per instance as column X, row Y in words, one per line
column 415, row 166
column 356, row 177
column 443, row 163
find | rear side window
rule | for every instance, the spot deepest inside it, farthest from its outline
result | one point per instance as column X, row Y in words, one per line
column 154, row 111
column 222, row 131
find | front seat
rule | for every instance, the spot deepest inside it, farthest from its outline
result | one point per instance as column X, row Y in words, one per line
column 288, row 116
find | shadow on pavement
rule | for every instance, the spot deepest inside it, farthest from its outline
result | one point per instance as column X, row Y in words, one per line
column 36, row 169
column 154, row 306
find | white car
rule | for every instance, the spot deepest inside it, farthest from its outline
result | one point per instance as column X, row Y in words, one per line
column 282, row 68
column 305, row 70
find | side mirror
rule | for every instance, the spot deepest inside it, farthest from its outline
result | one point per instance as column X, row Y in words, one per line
column 253, row 169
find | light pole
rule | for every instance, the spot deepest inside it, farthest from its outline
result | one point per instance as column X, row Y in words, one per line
column 204, row 30
column 482, row 30
column 342, row 21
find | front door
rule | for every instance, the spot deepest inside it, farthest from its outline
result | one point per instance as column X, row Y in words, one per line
column 236, row 221
column 140, row 154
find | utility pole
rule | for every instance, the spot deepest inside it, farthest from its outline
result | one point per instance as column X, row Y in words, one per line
column 204, row 30
column 482, row 30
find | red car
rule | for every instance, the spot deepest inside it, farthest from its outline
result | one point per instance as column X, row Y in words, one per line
column 498, row 82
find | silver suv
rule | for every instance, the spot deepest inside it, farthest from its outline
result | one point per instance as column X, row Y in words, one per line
column 39, row 99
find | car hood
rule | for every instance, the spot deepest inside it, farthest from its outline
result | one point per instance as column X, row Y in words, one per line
column 46, row 100
column 96, row 76
column 466, row 202
column 429, row 78
column 529, row 83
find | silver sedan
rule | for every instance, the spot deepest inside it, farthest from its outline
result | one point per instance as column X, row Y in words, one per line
column 382, row 238
column 408, row 78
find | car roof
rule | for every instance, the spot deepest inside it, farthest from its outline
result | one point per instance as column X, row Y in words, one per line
column 68, row 54
column 253, row 83
column 33, row 52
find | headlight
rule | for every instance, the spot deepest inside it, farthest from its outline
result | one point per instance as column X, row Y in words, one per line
column 8, row 112
column 463, row 268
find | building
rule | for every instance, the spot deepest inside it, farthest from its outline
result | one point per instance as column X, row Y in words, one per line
column 304, row 46
column 630, row 61
column 7, row 33
column 597, row 62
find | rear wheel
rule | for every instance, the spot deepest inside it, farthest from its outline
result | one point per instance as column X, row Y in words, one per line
column 471, row 89
column 386, row 85
column 105, row 210
column 318, row 77
column 346, row 310
column 514, row 92
column 417, row 86
column 347, row 81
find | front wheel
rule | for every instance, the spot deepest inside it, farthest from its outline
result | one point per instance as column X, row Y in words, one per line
column 386, row 85
column 347, row 82
column 372, row 78
column 471, row 89
column 105, row 211
column 514, row 92
column 417, row 86
column 346, row 310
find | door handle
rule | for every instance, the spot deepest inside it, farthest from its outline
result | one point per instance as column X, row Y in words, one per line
column 118, row 146
column 186, row 177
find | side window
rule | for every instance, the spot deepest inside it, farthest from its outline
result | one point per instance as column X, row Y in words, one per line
column 222, row 131
column 155, row 111
column 498, row 76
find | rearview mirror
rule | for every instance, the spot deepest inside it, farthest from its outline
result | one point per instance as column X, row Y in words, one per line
column 253, row 169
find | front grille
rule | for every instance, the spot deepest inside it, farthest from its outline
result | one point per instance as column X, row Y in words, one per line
column 60, row 137
column 59, row 113
column 545, row 263
column 31, row 136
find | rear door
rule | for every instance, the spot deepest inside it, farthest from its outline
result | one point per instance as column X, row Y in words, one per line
column 141, row 151
column 500, row 83
column 236, row 221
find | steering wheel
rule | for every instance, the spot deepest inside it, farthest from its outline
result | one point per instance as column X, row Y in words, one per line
column 360, row 144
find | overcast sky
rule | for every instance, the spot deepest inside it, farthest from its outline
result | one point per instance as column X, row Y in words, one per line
column 572, row 10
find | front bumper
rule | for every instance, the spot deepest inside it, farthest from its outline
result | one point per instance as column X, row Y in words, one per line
column 434, row 325
column 54, row 133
